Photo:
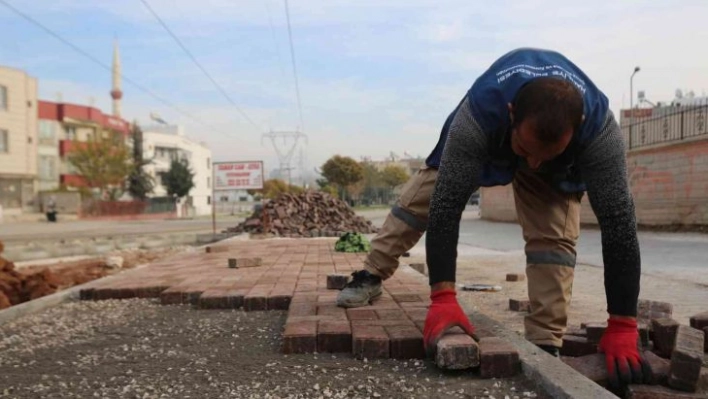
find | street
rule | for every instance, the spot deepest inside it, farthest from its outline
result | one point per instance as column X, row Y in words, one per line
column 69, row 230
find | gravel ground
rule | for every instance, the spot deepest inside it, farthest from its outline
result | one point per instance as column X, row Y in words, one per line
column 140, row 349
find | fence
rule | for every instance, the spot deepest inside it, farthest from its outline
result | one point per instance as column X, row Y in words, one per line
column 684, row 123
column 152, row 206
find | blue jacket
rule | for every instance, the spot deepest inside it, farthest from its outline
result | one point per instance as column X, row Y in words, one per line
column 497, row 86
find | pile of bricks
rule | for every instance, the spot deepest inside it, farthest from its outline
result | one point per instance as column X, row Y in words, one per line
column 674, row 352
column 310, row 214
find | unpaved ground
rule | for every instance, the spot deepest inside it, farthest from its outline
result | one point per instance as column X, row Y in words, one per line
column 588, row 302
column 140, row 349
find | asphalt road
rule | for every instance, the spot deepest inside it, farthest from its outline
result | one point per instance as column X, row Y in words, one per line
column 43, row 231
column 682, row 256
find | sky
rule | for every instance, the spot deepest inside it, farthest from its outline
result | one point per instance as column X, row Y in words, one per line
column 375, row 77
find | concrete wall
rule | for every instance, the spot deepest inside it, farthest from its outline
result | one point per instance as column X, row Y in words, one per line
column 669, row 184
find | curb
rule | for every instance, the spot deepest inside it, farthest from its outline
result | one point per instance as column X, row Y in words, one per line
column 555, row 377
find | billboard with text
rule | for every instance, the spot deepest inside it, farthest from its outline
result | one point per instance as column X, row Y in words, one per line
column 245, row 175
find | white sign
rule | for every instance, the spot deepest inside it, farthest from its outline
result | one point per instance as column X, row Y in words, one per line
column 238, row 175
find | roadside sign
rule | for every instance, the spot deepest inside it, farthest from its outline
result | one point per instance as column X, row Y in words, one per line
column 245, row 175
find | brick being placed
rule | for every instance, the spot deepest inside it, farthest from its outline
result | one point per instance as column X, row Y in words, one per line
column 664, row 335
column 659, row 368
column 515, row 277
column 498, row 358
column 686, row 359
column 458, row 351
column 519, row 305
column 337, row 281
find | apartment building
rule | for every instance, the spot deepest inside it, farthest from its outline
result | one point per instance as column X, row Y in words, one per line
column 18, row 140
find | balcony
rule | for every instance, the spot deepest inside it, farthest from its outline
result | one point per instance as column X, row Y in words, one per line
column 72, row 180
column 67, row 146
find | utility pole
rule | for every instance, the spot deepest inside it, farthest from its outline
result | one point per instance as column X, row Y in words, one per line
column 285, row 148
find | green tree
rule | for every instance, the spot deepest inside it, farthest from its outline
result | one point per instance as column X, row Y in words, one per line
column 342, row 171
column 140, row 183
column 394, row 175
column 104, row 162
column 179, row 180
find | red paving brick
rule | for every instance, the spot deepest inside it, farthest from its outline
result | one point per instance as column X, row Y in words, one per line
column 293, row 276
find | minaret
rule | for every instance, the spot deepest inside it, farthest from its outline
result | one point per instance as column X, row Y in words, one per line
column 116, row 93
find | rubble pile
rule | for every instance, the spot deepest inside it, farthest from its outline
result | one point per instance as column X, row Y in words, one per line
column 310, row 214
column 16, row 287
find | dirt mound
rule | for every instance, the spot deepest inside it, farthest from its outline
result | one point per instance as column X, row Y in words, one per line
column 310, row 214
column 16, row 287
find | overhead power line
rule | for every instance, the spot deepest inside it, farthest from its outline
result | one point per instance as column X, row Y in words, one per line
column 103, row 65
column 198, row 64
column 292, row 56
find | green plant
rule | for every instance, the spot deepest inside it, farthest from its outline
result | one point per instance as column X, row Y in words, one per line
column 352, row 242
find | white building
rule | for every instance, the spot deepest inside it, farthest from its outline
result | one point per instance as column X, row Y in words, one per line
column 162, row 144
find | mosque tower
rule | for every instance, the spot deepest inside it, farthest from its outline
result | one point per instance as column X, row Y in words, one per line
column 116, row 92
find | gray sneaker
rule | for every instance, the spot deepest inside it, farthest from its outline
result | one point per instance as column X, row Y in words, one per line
column 363, row 289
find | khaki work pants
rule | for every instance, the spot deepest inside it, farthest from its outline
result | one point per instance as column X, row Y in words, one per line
column 550, row 221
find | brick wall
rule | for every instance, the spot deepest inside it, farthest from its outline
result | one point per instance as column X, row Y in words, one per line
column 669, row 184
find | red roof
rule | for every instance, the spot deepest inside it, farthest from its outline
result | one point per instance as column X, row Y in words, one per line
column 59, row 111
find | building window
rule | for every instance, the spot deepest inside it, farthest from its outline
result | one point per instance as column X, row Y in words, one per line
column 70, row 133
column 4, row 141
column 46, row 168
column 208, row 182
column 46, row 130
column 208, row 163
column 208, row 199
column 3, row 98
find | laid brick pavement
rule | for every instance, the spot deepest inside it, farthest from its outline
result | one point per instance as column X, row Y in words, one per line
column 292, row 276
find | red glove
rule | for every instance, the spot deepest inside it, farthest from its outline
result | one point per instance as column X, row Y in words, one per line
column 443, row 314
column 620, row 344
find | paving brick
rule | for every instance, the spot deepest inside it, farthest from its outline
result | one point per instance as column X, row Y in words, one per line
column 664, row 335
column 385, row 323
column 480, row 333
column 255, row 300
column 406, row 298
column 170, row 296
column 417, row 314
column 577, row 346
column 406, row 342
column 391, row 314
column 362, row 314
column 334, row 337
column 699, row 321
column 515, row 277
column 595, row 331
column 659, row 367
column 648, row 310
column 519, row 305
column 332, row 310
column 577, row 331
column 686, row 359
column 214, row 299
column 498, row 358
column 658, row 392
column 419, row 267
column 458, row 351
column 278, row 301
column 370, row 342
column 300, row 337
column 238, row 263
column 644, row 333
column 87, row 294
column 337, row 281
column 236, row 297
column 591, row 366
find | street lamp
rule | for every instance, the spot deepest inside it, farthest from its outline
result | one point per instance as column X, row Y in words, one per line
column 631, row 103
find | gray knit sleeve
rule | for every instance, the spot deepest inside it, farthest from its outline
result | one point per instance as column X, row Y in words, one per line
column 458, row 177
column 603, row 166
